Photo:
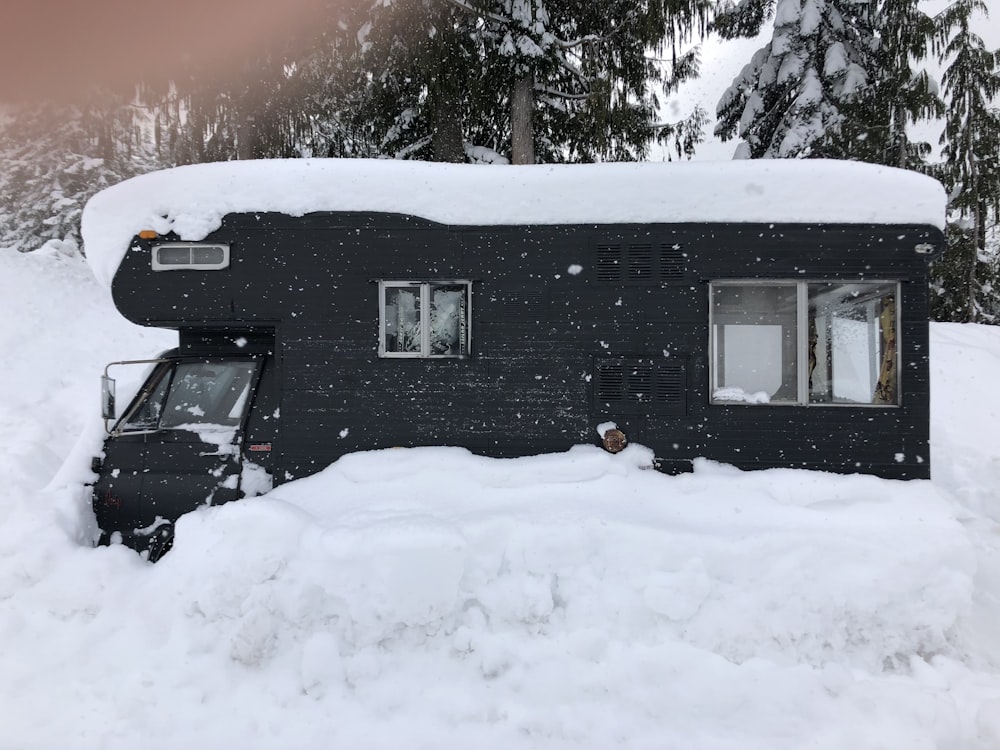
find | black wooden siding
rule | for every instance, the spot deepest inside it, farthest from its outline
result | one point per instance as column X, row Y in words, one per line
column 554, row 353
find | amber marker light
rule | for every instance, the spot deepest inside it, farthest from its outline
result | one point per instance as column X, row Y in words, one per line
column 148, row 234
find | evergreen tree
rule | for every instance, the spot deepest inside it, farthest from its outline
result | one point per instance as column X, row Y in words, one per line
column 966, row 276
column 420, row 66
column 56, row 157
column 793, row 98
column 549, row 81
column 898, row 94
column 257, row 107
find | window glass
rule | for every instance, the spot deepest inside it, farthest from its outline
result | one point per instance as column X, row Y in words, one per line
column 804, row 342
column 208, row 255
column 755, row 343
column 181, row 256
column 206, row 393
column 402, row 319
column 196, row 393
column 852, row 343
column 170, row 255
column 447, row 319
column 425, row 319
column 147, row 416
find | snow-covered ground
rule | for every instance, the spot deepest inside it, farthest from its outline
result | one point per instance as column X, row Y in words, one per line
column 434, row 599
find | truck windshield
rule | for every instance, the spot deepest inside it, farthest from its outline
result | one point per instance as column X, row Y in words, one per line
column 195, row 393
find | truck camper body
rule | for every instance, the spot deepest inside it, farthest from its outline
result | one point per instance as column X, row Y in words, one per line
column 761, row 317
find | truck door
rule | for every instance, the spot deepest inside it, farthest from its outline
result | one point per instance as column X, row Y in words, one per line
column 178, row 446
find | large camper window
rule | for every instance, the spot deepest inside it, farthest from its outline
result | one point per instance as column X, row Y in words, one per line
column 804, row 343
column 425, row 319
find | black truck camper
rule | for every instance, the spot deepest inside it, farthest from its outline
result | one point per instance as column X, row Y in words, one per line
column 758, row 314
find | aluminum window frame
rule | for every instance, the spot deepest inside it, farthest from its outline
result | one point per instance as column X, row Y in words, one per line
column 802, row 342
column 157, row 265
column 425, row 288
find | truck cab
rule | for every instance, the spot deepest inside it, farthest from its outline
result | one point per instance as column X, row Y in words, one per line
column 192, row 436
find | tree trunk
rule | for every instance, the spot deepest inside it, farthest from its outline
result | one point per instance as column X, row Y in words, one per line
column 972, row 315
column 522, row 111
column 901, row 136
column 246, row 136
column 446, row 140
column 446, row 120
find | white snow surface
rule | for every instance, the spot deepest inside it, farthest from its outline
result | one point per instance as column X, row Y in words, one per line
column 435, row 599
column 192, row 200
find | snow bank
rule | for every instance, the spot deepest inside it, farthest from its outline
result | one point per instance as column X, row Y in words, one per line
column 426, row 596
column 192, row 200
column 431, row 598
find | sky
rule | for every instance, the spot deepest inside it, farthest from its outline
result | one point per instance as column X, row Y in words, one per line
column 53, row 48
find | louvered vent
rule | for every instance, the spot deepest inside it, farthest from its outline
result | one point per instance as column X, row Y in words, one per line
column 526, row 304
column 610, row 381
column 671, row 263
column 609, row 262
column 639, row 264
column 636, row 386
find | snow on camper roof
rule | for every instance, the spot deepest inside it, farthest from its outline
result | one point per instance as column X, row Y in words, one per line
column 192, row 200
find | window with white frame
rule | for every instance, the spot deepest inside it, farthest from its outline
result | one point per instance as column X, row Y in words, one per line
column 788, row 342
column 198, row 256
column 425, row 319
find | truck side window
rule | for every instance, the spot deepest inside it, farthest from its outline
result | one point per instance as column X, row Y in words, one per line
column 147, row 415
column 196, row 393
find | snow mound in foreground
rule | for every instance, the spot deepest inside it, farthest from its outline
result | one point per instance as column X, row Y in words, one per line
column 574, row 597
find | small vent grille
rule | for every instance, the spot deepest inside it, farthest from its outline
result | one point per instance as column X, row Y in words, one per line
column 671, row 263
column 610, row 382
column 670, row 385
column 526, row 304
column 636, row 386
column 640, row 264
column 609, row 262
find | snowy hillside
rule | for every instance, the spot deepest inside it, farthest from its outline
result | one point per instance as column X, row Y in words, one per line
column 434, row 599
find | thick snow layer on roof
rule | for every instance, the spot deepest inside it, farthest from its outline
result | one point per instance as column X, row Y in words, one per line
column 192, row 200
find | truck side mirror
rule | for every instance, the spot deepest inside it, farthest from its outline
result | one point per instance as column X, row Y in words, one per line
column 108, row 410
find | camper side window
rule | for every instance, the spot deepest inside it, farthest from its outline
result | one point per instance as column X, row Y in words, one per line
column 425, row 319
column 177, row 256
column 804, row 343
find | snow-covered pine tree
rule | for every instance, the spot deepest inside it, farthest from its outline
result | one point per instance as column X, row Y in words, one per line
column 790, row 98
column 56, row 157
column 966, row 277
column 539, row 80
column 588, row 76
column 898, row 93
column 421, row 66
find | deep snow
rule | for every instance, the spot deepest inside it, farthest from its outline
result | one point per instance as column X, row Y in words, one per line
column 434, row 599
